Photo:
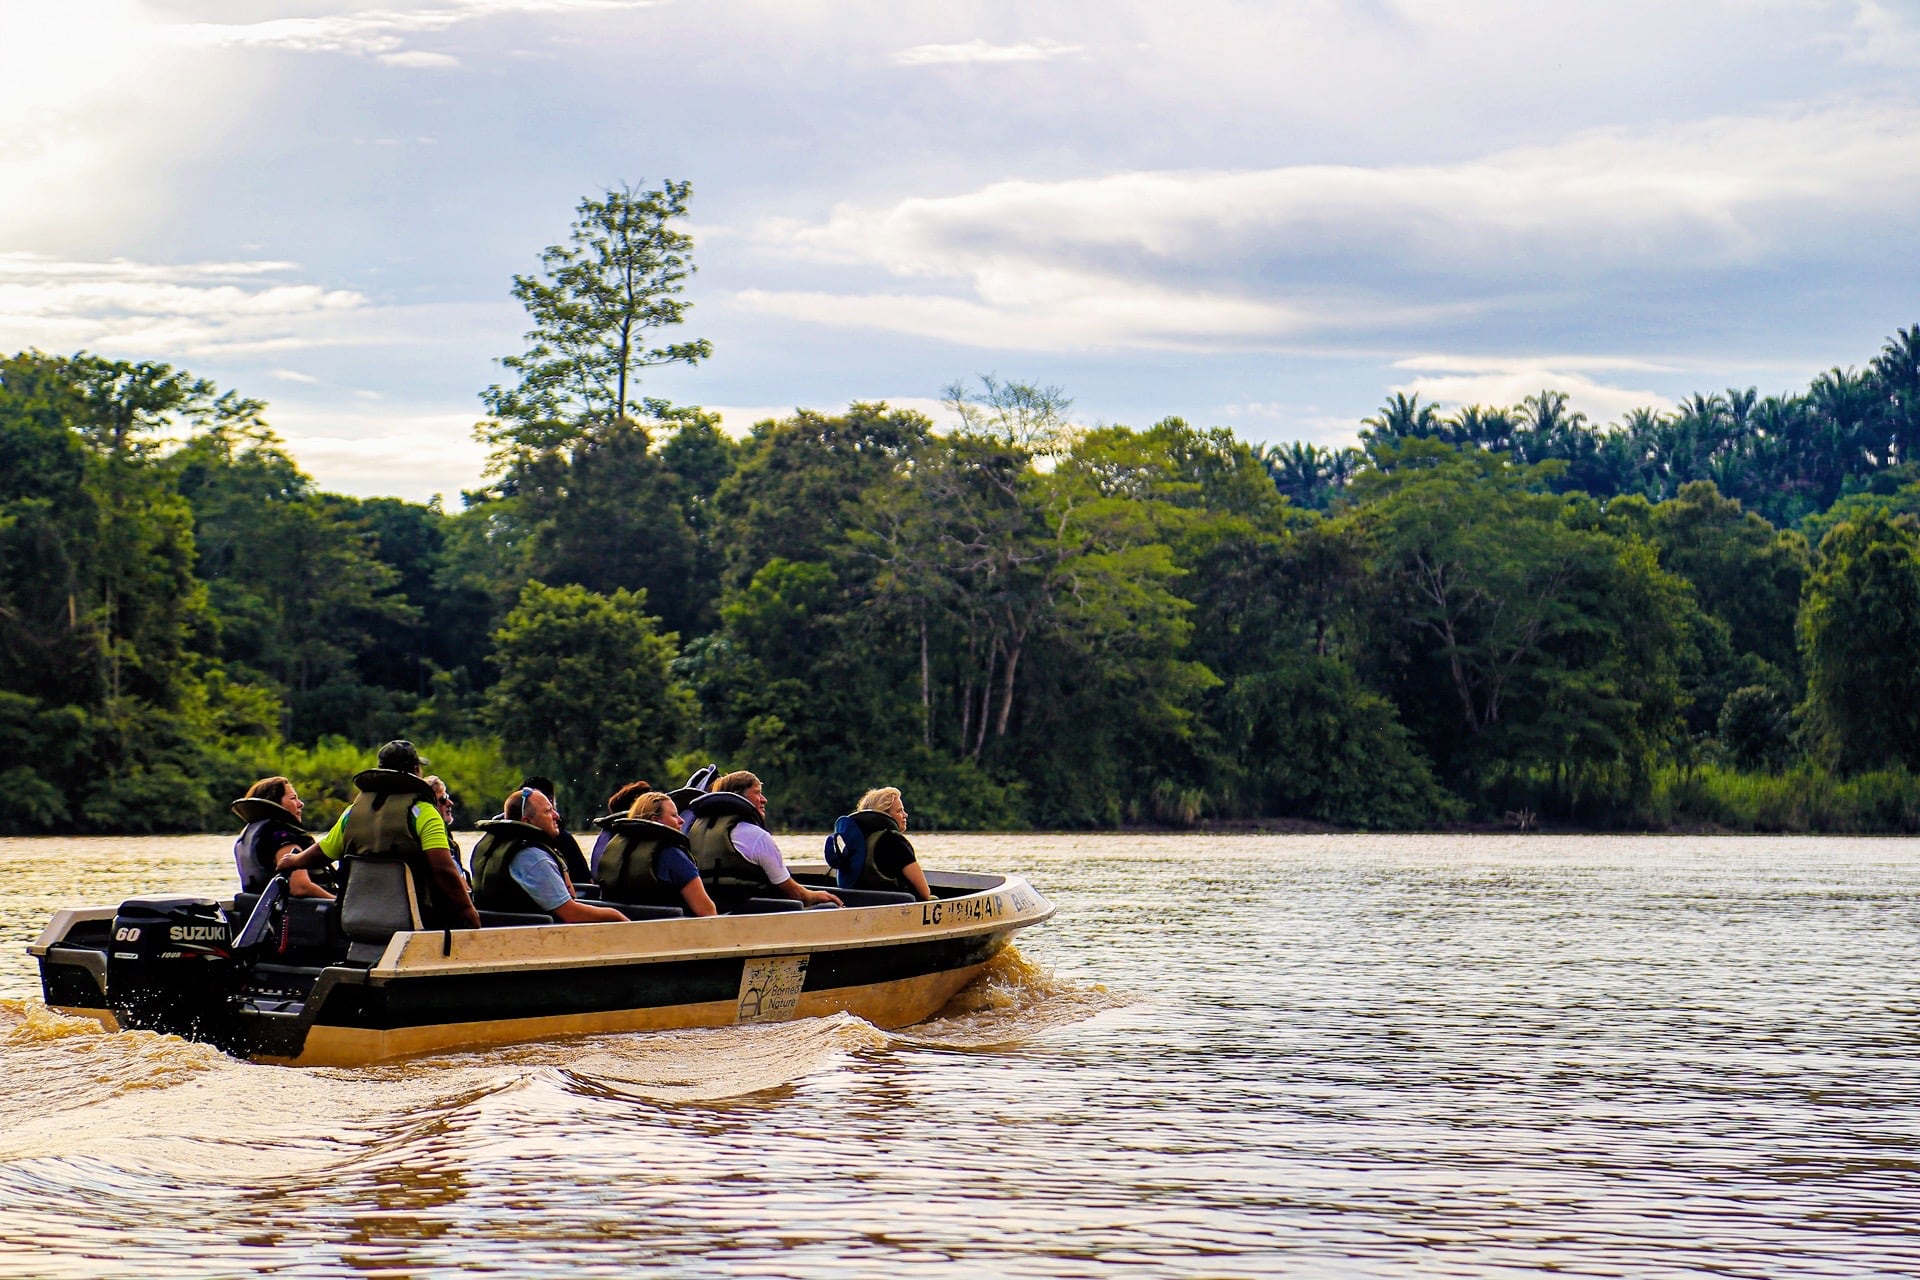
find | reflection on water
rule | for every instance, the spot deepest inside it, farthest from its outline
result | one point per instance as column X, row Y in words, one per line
column 1227, row 1056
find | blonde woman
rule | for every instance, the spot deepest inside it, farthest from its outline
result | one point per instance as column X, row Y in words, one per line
column 891, row 863
column 646, row 860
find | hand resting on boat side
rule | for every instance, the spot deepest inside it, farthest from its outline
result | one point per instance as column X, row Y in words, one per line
column 541, row 874
column 757, row 846
column 891, row 862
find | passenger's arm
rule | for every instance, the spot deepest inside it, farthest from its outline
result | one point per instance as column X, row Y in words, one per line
column 451, row 886
column 302, row 885
column 307, row 859
column 918, row 879
column 791, row 888
column 698, row 900
column 317, row 854
column 574, row 911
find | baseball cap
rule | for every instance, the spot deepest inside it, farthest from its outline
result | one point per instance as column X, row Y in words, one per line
column 401, row 755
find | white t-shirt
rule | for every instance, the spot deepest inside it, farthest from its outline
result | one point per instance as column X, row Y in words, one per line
column 757, row 847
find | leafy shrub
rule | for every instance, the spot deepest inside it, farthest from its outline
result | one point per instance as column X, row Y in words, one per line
column 1325, row 747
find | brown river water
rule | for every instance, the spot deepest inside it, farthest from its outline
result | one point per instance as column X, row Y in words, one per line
column 1226, row 1056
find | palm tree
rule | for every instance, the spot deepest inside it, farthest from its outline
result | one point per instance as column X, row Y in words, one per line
column 1485, row 427
column 1896, row 376
column 1401, row 417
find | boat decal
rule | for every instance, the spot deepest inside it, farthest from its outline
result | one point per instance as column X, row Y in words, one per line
column 770, row 988
column 957, row 910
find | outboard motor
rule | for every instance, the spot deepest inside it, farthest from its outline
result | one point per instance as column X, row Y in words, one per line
column 172, row 969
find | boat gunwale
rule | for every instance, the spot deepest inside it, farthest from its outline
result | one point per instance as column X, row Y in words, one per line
column 429, row 952
column 419, row 953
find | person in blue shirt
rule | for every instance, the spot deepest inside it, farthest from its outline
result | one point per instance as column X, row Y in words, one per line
column 517, row 865
column 670, row 866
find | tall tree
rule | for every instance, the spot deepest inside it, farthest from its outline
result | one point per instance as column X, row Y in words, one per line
column 1859, row 630
column 1513, row 634
column 596, row 307
column 586, row 691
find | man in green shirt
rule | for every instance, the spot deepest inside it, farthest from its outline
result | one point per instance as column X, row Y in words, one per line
column 393, row 816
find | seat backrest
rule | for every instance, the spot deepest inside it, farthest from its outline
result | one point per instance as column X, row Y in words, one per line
column 377, row 902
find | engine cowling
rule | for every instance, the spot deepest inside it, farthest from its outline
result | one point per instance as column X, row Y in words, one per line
column 172, row 969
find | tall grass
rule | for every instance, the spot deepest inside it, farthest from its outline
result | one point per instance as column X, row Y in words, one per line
column 1804, row 799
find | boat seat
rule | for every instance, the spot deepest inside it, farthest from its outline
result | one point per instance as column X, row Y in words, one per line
column 512, row 919
column 647, row 911
column 312, row 924
column 762, row 906
column 377, row 902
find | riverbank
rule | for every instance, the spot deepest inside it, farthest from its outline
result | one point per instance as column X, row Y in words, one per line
column 1706, row 800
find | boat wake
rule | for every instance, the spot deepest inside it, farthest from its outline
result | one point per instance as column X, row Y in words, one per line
column 1015, row 999
column 701, row 1065
column 81, row 1100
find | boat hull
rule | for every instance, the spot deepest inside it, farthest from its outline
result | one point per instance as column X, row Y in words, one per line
column 434, row 991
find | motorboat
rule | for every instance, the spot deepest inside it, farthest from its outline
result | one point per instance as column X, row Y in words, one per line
column 311, row 982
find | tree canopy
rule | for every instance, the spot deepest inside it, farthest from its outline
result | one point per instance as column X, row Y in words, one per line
column 1023, row 620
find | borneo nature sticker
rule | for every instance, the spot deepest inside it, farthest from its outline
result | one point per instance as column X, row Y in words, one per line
column 770, row 988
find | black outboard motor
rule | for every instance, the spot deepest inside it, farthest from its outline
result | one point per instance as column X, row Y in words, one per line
column 172, row 969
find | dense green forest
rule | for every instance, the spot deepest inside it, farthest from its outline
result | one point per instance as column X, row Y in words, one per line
column 1707, row 615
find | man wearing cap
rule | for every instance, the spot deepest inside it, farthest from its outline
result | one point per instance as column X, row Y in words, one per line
column 393, row 815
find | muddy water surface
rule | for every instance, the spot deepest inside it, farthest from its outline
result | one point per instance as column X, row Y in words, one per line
column 1227, row 1056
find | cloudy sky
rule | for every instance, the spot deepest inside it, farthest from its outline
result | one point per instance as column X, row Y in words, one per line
column 1260, row 215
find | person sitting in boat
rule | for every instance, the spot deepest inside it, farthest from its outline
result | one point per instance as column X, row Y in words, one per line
column 617, row 805
column 890, row 862
column 271, row 809
column 571, row 855
column 646, row 860
column 735, row 853
column 443, row 805
column 392, row 816
column 517, row 866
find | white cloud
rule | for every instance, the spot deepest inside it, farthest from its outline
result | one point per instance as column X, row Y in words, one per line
column 412, row 454
column 163, row 311
column 90, row 113
column 1043, row 310
column 1458, row 381
column 379, row 32
column 291, row 375
column 922, row 55
column 1880, row 35
column 1439, row 363
column 1236, row 258
column 418, row 58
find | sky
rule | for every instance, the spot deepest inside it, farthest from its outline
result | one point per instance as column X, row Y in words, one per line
column 1265, row 216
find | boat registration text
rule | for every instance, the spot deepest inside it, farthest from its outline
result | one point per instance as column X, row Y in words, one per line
column 955, row 910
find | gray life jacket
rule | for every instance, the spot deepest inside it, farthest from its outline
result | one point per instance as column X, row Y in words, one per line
column 627, row 865
column 710, row 844
column 494, row 888
column 379, row 825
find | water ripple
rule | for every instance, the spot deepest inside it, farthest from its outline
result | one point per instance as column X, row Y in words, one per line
column 1313, row 1056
